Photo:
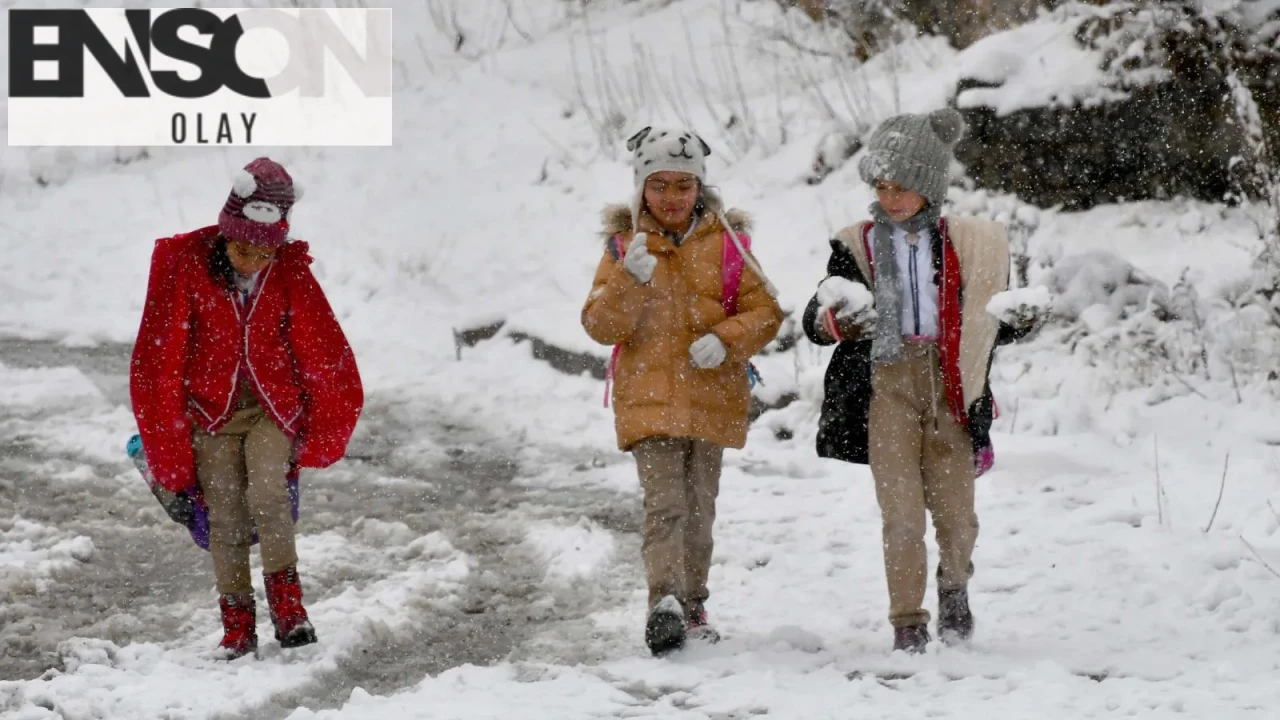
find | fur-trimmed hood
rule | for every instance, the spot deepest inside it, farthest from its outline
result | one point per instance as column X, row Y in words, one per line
column 617, row 218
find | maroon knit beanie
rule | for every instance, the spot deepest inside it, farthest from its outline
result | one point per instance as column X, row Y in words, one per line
column 258, row 209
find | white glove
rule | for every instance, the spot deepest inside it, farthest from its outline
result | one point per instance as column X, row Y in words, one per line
column 708, row 352
column 638, row 261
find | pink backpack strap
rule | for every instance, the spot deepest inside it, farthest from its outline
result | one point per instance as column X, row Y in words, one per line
column 620, row 252
column 609, row 372
column 731, row 264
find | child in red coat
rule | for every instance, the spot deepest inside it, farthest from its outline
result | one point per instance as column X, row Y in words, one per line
column 240, row 374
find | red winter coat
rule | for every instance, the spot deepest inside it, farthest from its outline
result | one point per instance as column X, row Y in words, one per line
column 196, row 344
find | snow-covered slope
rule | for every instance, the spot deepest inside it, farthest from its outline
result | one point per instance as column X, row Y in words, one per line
column 1096, row 597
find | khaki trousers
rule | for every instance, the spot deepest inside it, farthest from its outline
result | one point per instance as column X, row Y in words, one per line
column 243, row 472
column 681, row 479
column 921, row 459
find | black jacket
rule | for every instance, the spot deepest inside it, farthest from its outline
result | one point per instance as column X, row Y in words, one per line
column 846, row 403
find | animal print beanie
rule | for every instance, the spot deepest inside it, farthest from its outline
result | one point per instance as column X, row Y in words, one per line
column 665, row 150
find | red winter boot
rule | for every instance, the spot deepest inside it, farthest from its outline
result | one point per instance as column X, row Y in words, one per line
column 284, row 596
column 239, row 625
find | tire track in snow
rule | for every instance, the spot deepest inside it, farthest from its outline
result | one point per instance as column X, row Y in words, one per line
column 472, row 498
column 121, row 593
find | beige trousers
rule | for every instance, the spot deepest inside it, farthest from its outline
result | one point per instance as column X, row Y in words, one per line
column 243, row 472
column 681, row 479
column 921, row 459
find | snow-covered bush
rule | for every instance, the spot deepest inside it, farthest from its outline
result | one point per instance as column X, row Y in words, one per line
column 1020, row 219
column 835, row 149
column 873, row 24
column 1102, row 288
column 1139, row 333
column 870, row 26
column 1141, row 350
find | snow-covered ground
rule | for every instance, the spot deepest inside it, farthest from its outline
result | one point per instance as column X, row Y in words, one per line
column 1098, row 591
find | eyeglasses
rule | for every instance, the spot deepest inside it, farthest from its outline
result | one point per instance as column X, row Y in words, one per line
column 683, row 187
column 250, row 252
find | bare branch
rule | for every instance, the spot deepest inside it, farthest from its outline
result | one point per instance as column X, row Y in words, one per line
column 1235, row 381
column 1254, row 550
column 511, row 20
column 426, row 57
column 565, row 153
column 781, row 36
column 805, row 80
column 704, row 92
column 1221, row 487
column 592, row 118
column 1200, row 331
column 749, row 123
column 1159, row 486
column 859, row 113
column 1170, row 372
column 673, row 91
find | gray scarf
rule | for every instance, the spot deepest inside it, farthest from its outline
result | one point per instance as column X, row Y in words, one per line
column 886, row 346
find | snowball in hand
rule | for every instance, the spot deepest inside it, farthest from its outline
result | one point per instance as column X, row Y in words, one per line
column 846, row 297
column 1022, row 306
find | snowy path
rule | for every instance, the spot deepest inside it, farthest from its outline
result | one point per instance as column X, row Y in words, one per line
column 1087, row 608
column 458, row 574
column 419, row 554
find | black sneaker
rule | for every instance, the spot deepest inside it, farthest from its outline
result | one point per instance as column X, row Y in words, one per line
column 911, row 639
column 955, row 620
column 665, row 630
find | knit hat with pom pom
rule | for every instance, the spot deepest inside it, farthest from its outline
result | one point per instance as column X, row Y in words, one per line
column 261, row 201
column 914, row 151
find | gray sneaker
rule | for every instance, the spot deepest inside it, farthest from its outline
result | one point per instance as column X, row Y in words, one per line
column 955, row 619
column 912, row 639
column 699, row 628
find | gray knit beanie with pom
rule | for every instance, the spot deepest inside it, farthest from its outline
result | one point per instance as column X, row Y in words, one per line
column 914, row 151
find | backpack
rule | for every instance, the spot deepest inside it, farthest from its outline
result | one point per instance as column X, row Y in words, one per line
column 731, row 263
column 197, row 523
